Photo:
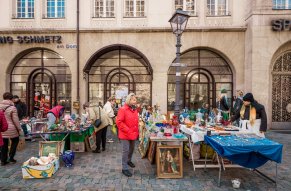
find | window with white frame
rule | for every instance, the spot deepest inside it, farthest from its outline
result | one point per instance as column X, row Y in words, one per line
column 103, row 8
column 217, row 8
column 186, row 5
column 25, row 9
column 281, row 4
column 134, row 8
column 55, row 9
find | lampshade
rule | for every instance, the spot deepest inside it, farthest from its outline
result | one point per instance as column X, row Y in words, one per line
column 179, row 21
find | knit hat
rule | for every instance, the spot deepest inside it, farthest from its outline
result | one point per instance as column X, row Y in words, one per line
column 223, row 91
column 249, row 97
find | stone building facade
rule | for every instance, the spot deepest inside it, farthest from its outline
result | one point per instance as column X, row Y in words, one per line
column 128, row 46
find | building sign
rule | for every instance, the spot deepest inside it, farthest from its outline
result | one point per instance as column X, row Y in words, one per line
column 30, row 39
column 281, row 25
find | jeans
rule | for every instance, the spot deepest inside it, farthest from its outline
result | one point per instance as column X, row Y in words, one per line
column 13, row 147
column 127, row 151
column 101, row 138
column 24, row 128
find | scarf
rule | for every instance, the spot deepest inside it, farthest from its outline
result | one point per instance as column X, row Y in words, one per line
column 252, row 114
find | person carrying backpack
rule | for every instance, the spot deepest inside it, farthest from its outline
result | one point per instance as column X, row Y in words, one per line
column 13, row 132
column 3, row 126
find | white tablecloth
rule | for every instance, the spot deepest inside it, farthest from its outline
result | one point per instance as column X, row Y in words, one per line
column 196, row 136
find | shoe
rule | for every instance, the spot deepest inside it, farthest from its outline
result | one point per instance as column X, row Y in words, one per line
column 12, row 160
column 131, row 164
column 110, row 141
column 126, row 173
column 4, row 163
column 103, row 149
column 96, row 151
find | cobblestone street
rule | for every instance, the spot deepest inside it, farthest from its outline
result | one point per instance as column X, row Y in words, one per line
column 93, row 171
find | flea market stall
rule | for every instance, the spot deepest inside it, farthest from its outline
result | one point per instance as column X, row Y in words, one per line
column 209, row 142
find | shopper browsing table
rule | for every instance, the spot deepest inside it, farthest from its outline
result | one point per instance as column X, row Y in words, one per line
column 13, row 132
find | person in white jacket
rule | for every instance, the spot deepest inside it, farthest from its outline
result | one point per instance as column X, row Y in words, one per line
column 108, row 108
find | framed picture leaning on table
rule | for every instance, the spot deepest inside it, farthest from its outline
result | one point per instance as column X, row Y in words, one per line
column 47, row 147
column 152, row 151
column 169, row 162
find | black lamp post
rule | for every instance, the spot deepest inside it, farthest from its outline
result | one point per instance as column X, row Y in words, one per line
column 178, row 23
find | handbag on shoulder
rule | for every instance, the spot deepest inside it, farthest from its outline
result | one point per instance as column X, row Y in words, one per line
column 98, row 122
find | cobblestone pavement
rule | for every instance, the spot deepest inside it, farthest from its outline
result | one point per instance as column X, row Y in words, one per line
column 102, row 171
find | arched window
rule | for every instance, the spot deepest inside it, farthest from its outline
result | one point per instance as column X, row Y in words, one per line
column 206, row 73
column 118, row 70
column 41, row 78
column 281, row 89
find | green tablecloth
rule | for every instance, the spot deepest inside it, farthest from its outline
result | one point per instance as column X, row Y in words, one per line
column 80, row 137
column 74, row 136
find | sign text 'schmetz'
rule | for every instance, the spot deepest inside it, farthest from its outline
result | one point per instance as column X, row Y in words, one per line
column 31, row 39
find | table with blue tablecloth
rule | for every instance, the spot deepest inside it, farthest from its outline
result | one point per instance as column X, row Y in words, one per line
column 249, row 151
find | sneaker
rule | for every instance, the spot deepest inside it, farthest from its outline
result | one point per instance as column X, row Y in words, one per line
column 126, row 173
column 110, row 141
column 12, row 160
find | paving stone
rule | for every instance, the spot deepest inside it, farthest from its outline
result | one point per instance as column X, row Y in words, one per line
column 103, row 172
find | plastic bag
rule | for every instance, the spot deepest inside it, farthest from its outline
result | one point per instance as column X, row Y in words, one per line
column 114, row 129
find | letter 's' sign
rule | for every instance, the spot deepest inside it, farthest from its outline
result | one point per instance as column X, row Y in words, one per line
column 281, row 25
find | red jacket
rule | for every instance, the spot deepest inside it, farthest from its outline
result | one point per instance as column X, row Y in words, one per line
column 127, row 123
column 3, row 126
column 57, row 111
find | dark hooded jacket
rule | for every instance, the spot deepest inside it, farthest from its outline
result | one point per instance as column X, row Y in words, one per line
column 260, row 114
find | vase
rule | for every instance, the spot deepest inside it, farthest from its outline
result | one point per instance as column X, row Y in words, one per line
column 68, row 157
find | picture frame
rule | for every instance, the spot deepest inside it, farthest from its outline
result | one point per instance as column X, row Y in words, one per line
column 76, row 105
column 152, row 151
column 169, row 161
column 39, row 127
column 144, row 145
column 46, row 147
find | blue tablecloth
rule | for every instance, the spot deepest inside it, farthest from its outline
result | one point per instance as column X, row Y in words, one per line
column 249, row 152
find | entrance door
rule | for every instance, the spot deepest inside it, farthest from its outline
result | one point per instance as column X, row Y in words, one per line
column 281, row 91
column 42, row 94
column 120, row 91
column 199, row 94
column 198, row 89
column 119, row 85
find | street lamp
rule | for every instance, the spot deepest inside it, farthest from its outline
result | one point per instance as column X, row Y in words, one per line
column 178, row 24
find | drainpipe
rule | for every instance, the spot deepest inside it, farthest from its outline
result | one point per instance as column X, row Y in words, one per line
column 78, row 52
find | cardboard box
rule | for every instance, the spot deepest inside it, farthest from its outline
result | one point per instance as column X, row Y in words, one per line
column 44, row 171
column 78, row 146
column 39, row 171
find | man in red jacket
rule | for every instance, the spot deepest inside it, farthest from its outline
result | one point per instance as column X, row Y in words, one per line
column 3, row 126
column 127, row 123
